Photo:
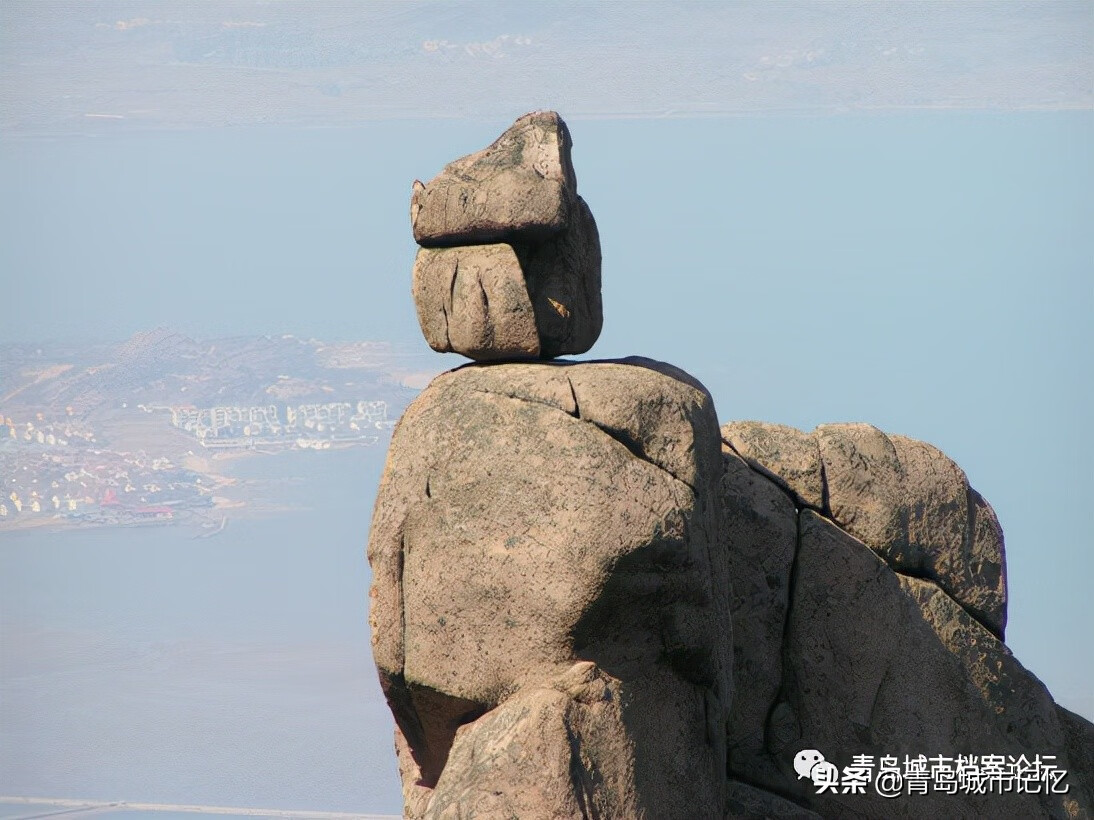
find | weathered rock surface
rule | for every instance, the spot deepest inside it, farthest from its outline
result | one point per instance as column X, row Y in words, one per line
column 904, row 498
column 498, row 301
column 536, row 515
column 783, row 454
column 559, row 551
column 563, row 277
column 474, row 301
column 837, row 650
column 870, row 660
column 877, row 663
column 557, row 750
column 553, row 566
column 748, row 803
column 588, row 601
column 762, row 531
column 1079, row 735
column 521, row 187
column 913, row 505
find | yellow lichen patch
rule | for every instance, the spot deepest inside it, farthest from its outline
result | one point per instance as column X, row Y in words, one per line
column 560, row 308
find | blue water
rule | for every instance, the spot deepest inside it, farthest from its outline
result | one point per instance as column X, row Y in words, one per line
column 148, row 666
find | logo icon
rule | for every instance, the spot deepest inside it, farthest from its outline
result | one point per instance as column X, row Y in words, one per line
column 805, row 760
column 811, row 763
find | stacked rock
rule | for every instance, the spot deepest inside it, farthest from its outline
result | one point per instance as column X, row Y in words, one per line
column 547, row 590
column 509, row 265
column 589, row 601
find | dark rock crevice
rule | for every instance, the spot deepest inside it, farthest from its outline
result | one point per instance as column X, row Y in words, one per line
column 778, row 721
column 636, row 449
column 573, row 394
column 526, row 399
column 920, row 575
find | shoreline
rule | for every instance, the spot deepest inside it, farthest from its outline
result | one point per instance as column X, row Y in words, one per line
column 200, row 521
column 230, row 495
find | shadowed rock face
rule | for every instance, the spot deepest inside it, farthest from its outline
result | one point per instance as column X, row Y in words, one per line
column 762, row 536
column 535, row 516
column 563, row 278
column 882, row 664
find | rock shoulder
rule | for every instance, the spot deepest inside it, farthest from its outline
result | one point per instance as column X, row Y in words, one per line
column 903, row 498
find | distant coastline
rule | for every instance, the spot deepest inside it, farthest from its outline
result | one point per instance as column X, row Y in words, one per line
column 138, row 433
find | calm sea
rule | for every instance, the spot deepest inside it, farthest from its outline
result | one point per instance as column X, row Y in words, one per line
column 149, row 666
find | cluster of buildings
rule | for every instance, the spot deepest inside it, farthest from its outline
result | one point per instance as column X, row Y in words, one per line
column 302, row 425
column 95, row 485
column 46, row 432
column 58, row 469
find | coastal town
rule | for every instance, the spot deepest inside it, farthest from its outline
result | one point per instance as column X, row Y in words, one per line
column 52, row 478
column 78, row 449
column 314, row 426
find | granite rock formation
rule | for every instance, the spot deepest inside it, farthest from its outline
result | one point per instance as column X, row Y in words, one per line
column 903, row 498
column 589, row 600
column 570, row 511
column 510, row 261
column 522, row 187
column 845, row 652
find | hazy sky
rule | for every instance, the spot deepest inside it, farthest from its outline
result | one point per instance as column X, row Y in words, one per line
column 832, row 252
column 74, row 66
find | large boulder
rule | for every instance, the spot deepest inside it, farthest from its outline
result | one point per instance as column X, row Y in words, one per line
column 559, row 551
column 521, row 187
column 532, row 516
column 510, row 261
column 844, row 648
column 560, row 749
column 881, row 664
column 903, row 498
column 913, row 505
